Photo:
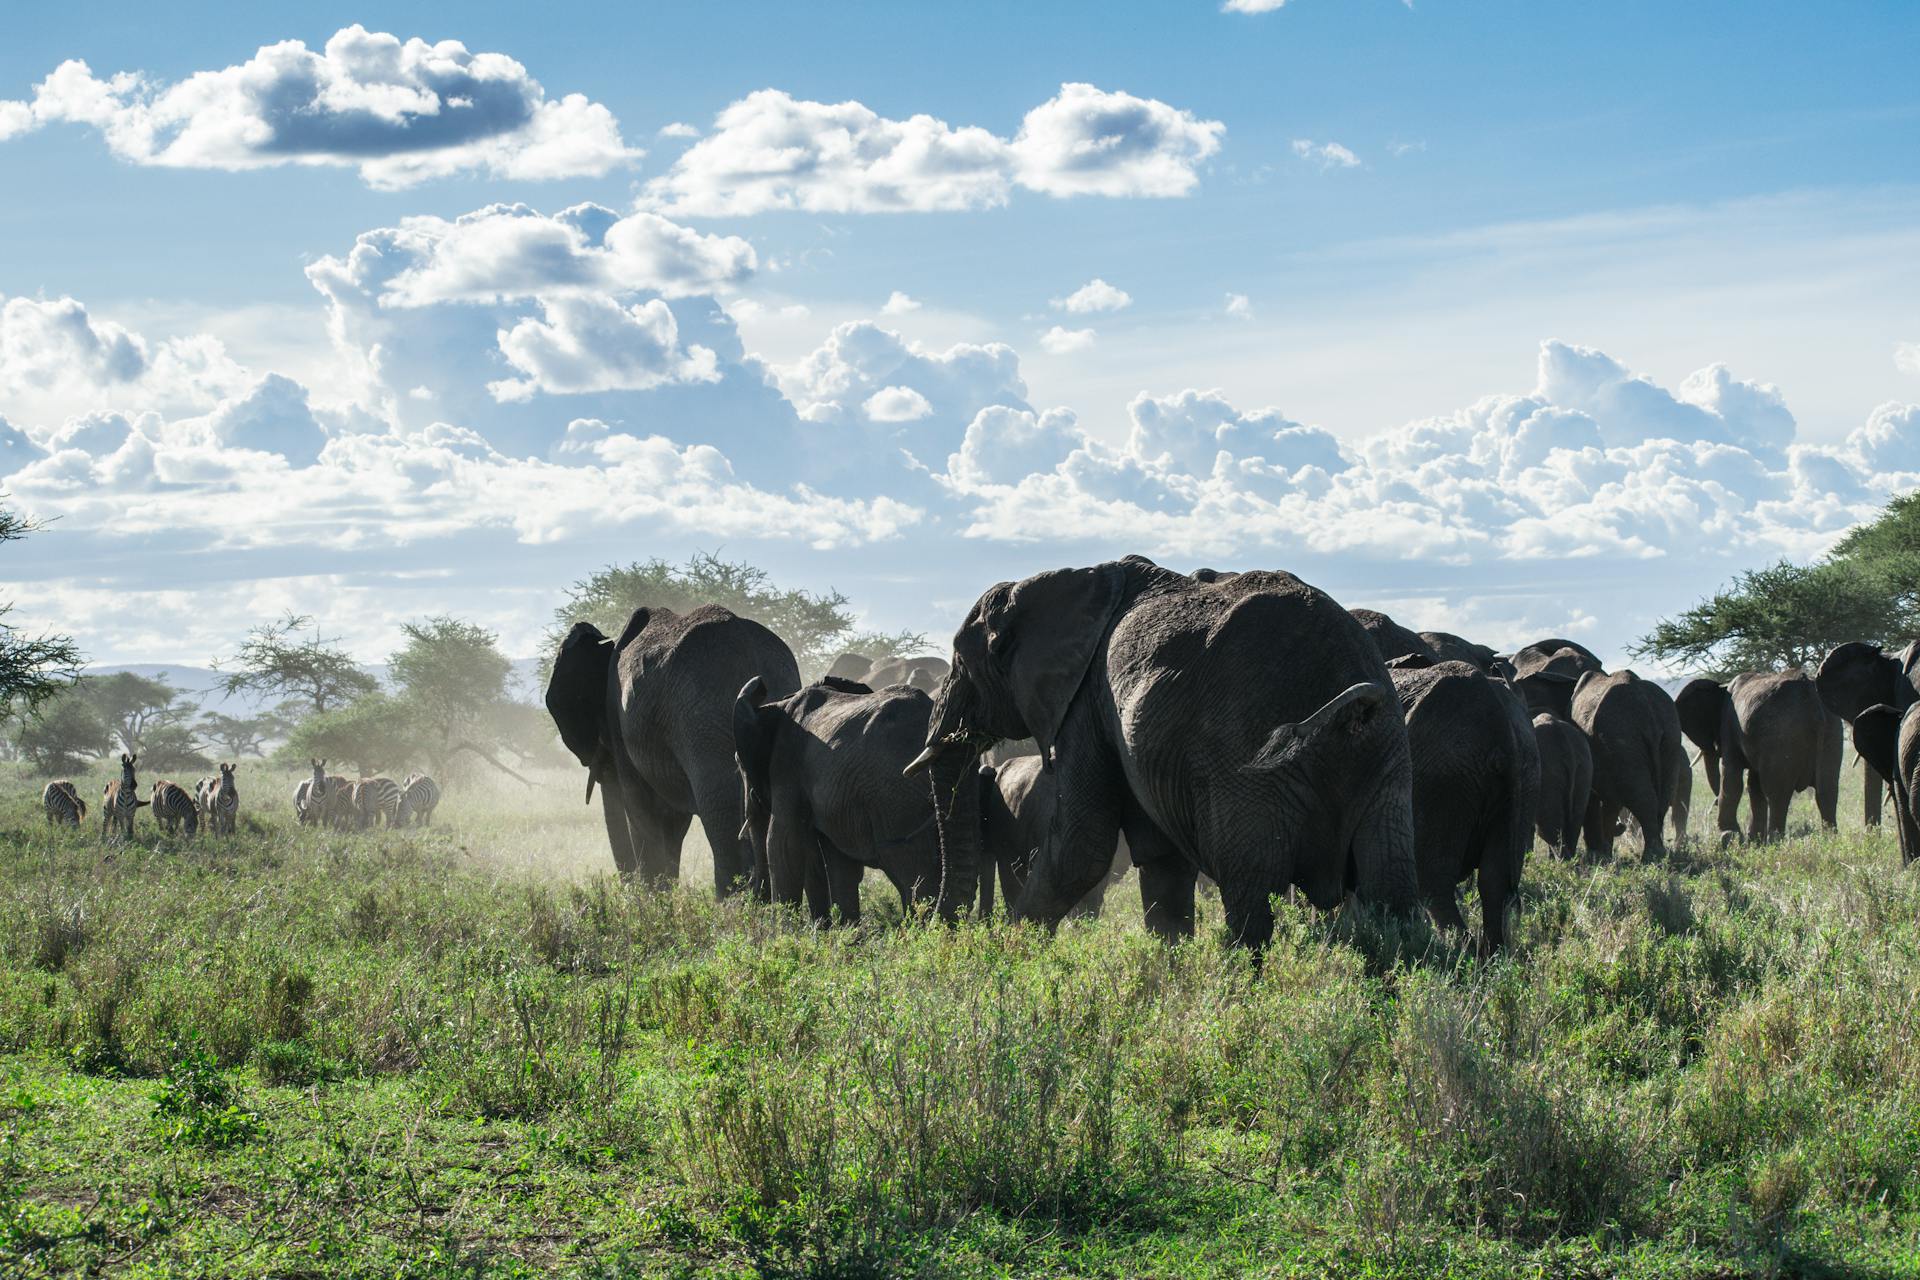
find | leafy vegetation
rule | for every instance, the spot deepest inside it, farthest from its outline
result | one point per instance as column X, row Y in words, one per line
column 1788, row 615
column 275, row 661
column 469, row 1051
column 32, row 668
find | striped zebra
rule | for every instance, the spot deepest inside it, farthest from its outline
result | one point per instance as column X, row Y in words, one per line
column 119, row 799
column 64, row 806
column 310, row 797
column 419, row 797
column 376, row 799
column 342, row 808
column 203, row 798
column 174, row 808
column 223, row 802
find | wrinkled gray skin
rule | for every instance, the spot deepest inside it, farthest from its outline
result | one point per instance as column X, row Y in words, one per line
column 1566, row 782
column 1888, row 739
column 1448, row 647
column 1546, row 680
column 1767, row 733
column 1476, row 784
column 1016, row 806
column 826, row 797
column 651, row 717
column 1242, row 726
column 1856, row 676
column 1538, row 654
column 1639, row 760
column 1390, row 639
column 921, row 673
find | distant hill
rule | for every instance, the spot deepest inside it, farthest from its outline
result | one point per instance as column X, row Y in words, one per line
column 203, row 684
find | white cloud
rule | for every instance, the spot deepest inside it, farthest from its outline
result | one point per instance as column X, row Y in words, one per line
column 1328, row 155
column 898, row 304
column 57, row 359
column 594, row 344
column 770, row 151
column 1906, row 357
column 897, row 404
column 15, row 118
column 1252, row 6
column 401, row 112
column 1095, row 295
column 678, row 129
column 1060, row 340
column 1238, row 307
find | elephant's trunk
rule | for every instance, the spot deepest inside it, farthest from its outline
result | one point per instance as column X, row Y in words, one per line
column 1382, row 847
column 1710, row 761
column 955, row 791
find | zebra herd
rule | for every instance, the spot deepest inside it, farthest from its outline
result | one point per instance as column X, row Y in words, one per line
column 324, row 799
column 328, row 799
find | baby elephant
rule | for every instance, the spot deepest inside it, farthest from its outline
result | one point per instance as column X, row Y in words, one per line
column 1566, row 779
column 1016, row 805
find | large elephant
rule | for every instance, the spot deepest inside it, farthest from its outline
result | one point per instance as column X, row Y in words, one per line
column 1390, row 639
column 1858, row 675
column 826, row 797
column 924, row 674
column 1448, row 647
column 1546, row 680
column 1538, row 654
column 1771, row 733
column 1639, row 759
column 1566, row 781
column 1242, row 725
column 1016, row 806
column 651, row 717
column 850, row 666
column 1476, row 783
column 1888, row 739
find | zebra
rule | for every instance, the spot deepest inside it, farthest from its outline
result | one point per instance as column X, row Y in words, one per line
column 173, row 807
column 419, row 797
column 119, row 799
column 342, row 810
column 203, row 797
column 223, row 801
column 63, row 804
column 376, row 798
column 310, row 797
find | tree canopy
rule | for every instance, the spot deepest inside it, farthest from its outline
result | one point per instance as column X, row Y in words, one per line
column 135, row 707
column 32, row 668
column 816, row 626
column 275, row 660
column 1789, row 615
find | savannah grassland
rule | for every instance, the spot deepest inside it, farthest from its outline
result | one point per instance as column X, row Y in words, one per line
column 470, row 1052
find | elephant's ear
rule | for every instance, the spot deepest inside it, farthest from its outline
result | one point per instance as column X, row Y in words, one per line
column 753, row 737
column 1044, row 634
column 635, row 625
column 577, row 692
column 1702, row 704
column 1876, row 736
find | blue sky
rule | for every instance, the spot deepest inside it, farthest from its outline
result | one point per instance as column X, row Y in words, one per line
column 1513, row 319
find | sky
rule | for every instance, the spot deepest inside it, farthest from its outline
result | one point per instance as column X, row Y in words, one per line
column 1510, row 319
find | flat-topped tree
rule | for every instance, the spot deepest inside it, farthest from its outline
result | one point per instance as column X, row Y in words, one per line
column 275, row 660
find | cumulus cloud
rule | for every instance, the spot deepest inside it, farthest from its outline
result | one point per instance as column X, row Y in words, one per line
column 400, row 112
column 594, row 344
column 1906, row 357
column 897, row 404
column 1060, row 341
column 771, row 151
column 1328, row 155
column 1252, row 6
column 898, row 304
column 1095, row 295
column 678, row 129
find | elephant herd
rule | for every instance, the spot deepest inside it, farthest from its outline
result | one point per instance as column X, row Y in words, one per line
column 1239, row 726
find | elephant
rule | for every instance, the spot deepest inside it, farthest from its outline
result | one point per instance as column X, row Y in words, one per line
column 1536, row 655
column 1016, row 804
column 1858, row 675
column 1546, row 681
column 1639, row 759
column 1566, row 781
column 1241, row 725
column 1476, row 785
column 1888, row 739
column 1771, row 731
column 826, row 796
column 850, row 666
column 1448, row 647
column 1390, row 639
column 924, row 674
column 651, row 717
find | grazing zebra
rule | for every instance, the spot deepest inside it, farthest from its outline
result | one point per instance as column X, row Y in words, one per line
column 172, row 807
column 376, row 798
column 119, row 799
column 64, row 805
column 342, row 809
column 310, row 797
column 223, row 802
column 203, row 797
column 419, row 797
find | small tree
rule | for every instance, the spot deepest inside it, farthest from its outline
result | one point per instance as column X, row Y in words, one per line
column 136, row 706
column 275, row 661
column 32, row 668
column 453, row 678
column 63, row 733
column 236, row 736
column 373, row 733
column 171, row 748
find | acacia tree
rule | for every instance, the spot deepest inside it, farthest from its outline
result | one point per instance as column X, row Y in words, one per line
column 452, row 680
column 137, row 707
column 275, row 661
column 1788, row 615
column 63, row 733
column 32, row 668
column 237, row 736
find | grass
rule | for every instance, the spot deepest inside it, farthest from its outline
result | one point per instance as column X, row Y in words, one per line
column 470, row 1052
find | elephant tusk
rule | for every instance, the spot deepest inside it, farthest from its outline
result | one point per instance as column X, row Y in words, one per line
column 591, row 777
column 920, row 762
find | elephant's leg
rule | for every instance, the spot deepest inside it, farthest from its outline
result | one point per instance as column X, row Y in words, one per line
column 1499, row 883
column 1570, row 820
column 1872, row 784
column 843, row 876
column 1249, row 912
column 794, row 858
column 1651, row 818
column 1826, row 788
column 1444, row 906
column 1166, row 880
column 1758, row 823
column 1733, row 784
column 1603, row 816
column 1080, row 838
column 626, row 859
column 719, row 803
